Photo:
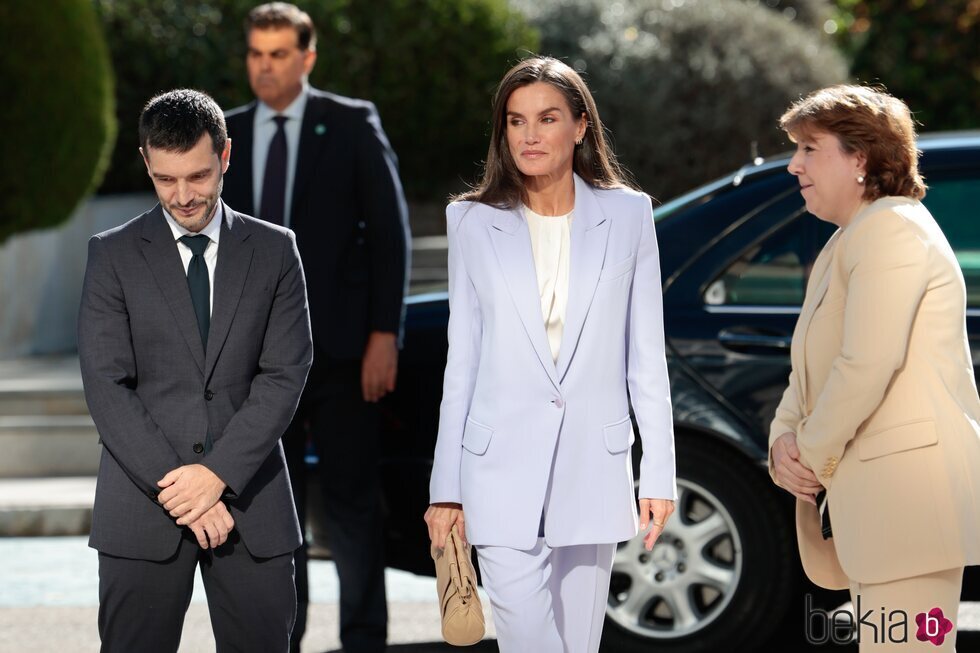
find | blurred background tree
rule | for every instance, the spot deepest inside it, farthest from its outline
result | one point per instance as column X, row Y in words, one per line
column 429, row 65
column 927, row 53
column 59, row 115
column 690, row 89
column 810, row 14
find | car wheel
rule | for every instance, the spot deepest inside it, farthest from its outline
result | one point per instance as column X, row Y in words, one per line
column 721, row 574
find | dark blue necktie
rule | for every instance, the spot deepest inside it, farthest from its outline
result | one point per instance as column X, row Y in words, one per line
column 199, row 284
column 274, row 183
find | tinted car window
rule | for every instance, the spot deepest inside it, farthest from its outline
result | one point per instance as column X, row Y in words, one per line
column 773, row 272
column 953, row 203
column 769, row 273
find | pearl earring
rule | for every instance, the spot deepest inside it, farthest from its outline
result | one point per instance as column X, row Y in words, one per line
column 860, row 179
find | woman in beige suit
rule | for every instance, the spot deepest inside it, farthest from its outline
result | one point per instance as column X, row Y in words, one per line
column 882, row 411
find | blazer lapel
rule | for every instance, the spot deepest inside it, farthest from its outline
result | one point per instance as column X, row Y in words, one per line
column 313, row 135
column 590, row 232
column 234, row 260
column 512, row 245
column 815, row 291
column 242, row 146
column 163, row 259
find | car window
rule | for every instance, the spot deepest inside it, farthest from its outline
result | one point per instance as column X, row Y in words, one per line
column 770, row 273
column 773, row 271
column 953, row 203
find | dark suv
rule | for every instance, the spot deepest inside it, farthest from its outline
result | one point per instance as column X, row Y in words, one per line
column 735, row 256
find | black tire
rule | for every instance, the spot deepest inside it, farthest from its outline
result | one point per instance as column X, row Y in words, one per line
column 762, row 574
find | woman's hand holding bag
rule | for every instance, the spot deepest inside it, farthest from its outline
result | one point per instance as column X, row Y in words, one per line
column 459, row 603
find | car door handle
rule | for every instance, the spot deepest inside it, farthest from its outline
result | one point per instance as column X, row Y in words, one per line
column 741, row 339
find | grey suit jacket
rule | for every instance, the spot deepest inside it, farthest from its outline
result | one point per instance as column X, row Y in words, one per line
column 155, row 393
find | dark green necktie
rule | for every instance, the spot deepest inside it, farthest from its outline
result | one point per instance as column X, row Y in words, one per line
column 198, row 283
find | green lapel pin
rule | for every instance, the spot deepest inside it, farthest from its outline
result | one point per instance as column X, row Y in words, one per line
column 320, row 130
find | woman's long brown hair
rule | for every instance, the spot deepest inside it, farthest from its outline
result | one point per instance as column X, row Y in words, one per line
column 502, row 183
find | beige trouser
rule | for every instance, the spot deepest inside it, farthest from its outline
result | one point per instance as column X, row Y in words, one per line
column 881, row 629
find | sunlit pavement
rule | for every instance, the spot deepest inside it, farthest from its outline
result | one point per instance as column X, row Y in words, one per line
column 49, row 602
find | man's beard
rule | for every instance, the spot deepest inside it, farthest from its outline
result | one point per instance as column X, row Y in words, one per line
column 209, row 208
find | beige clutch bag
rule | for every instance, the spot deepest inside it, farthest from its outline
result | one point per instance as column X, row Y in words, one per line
column 462, row 614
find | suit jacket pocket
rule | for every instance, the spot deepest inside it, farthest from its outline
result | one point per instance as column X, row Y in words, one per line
column 476, row 437
column 910, row 435
column 617, row 270
column 618, row 435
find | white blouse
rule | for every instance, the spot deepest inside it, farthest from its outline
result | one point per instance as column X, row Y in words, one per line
column 550, row 243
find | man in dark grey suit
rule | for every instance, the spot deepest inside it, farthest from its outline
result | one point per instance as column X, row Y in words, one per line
column 194, row 340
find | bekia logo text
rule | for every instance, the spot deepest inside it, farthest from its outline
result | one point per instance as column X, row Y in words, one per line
column 877, row 625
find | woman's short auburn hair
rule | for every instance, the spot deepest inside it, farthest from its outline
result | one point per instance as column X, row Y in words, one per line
column 866, row 120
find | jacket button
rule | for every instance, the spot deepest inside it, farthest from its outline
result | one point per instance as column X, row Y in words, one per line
column 558, row 402
column 208, row 395
column 198, row 447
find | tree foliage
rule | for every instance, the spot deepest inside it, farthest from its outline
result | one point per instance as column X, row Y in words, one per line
column 429, row 65
column 812, row 14
column 690, row 89
column 58, row 113
column 926, row 53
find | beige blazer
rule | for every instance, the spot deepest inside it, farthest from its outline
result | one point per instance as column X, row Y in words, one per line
column 884, row 403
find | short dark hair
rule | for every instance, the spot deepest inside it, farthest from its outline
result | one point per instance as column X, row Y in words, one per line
column 277, row 15
column 176, row 120
column 868, row 120
column 502, row 183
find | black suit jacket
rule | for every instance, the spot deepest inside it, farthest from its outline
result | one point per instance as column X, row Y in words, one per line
column 155, row 393
column 349, row 215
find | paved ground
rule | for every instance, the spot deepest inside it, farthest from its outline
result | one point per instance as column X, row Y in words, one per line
column 49, row 603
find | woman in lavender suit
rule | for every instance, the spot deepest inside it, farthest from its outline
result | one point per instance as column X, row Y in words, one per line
column 555, row 311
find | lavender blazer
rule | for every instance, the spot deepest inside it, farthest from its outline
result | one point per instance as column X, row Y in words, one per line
column 521, row 436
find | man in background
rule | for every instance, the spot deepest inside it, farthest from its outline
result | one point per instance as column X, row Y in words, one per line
column 321, row 165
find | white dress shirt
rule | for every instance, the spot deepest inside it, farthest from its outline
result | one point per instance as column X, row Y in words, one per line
column 264, row 130
column 550, row 244
column 212, row 231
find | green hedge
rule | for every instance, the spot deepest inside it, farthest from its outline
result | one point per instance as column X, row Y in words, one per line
column 58, row 113
column 689, row 92
column 927, row 53
column 430, row 66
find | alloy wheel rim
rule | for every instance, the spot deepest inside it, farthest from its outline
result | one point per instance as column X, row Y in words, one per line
column 688, row 579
